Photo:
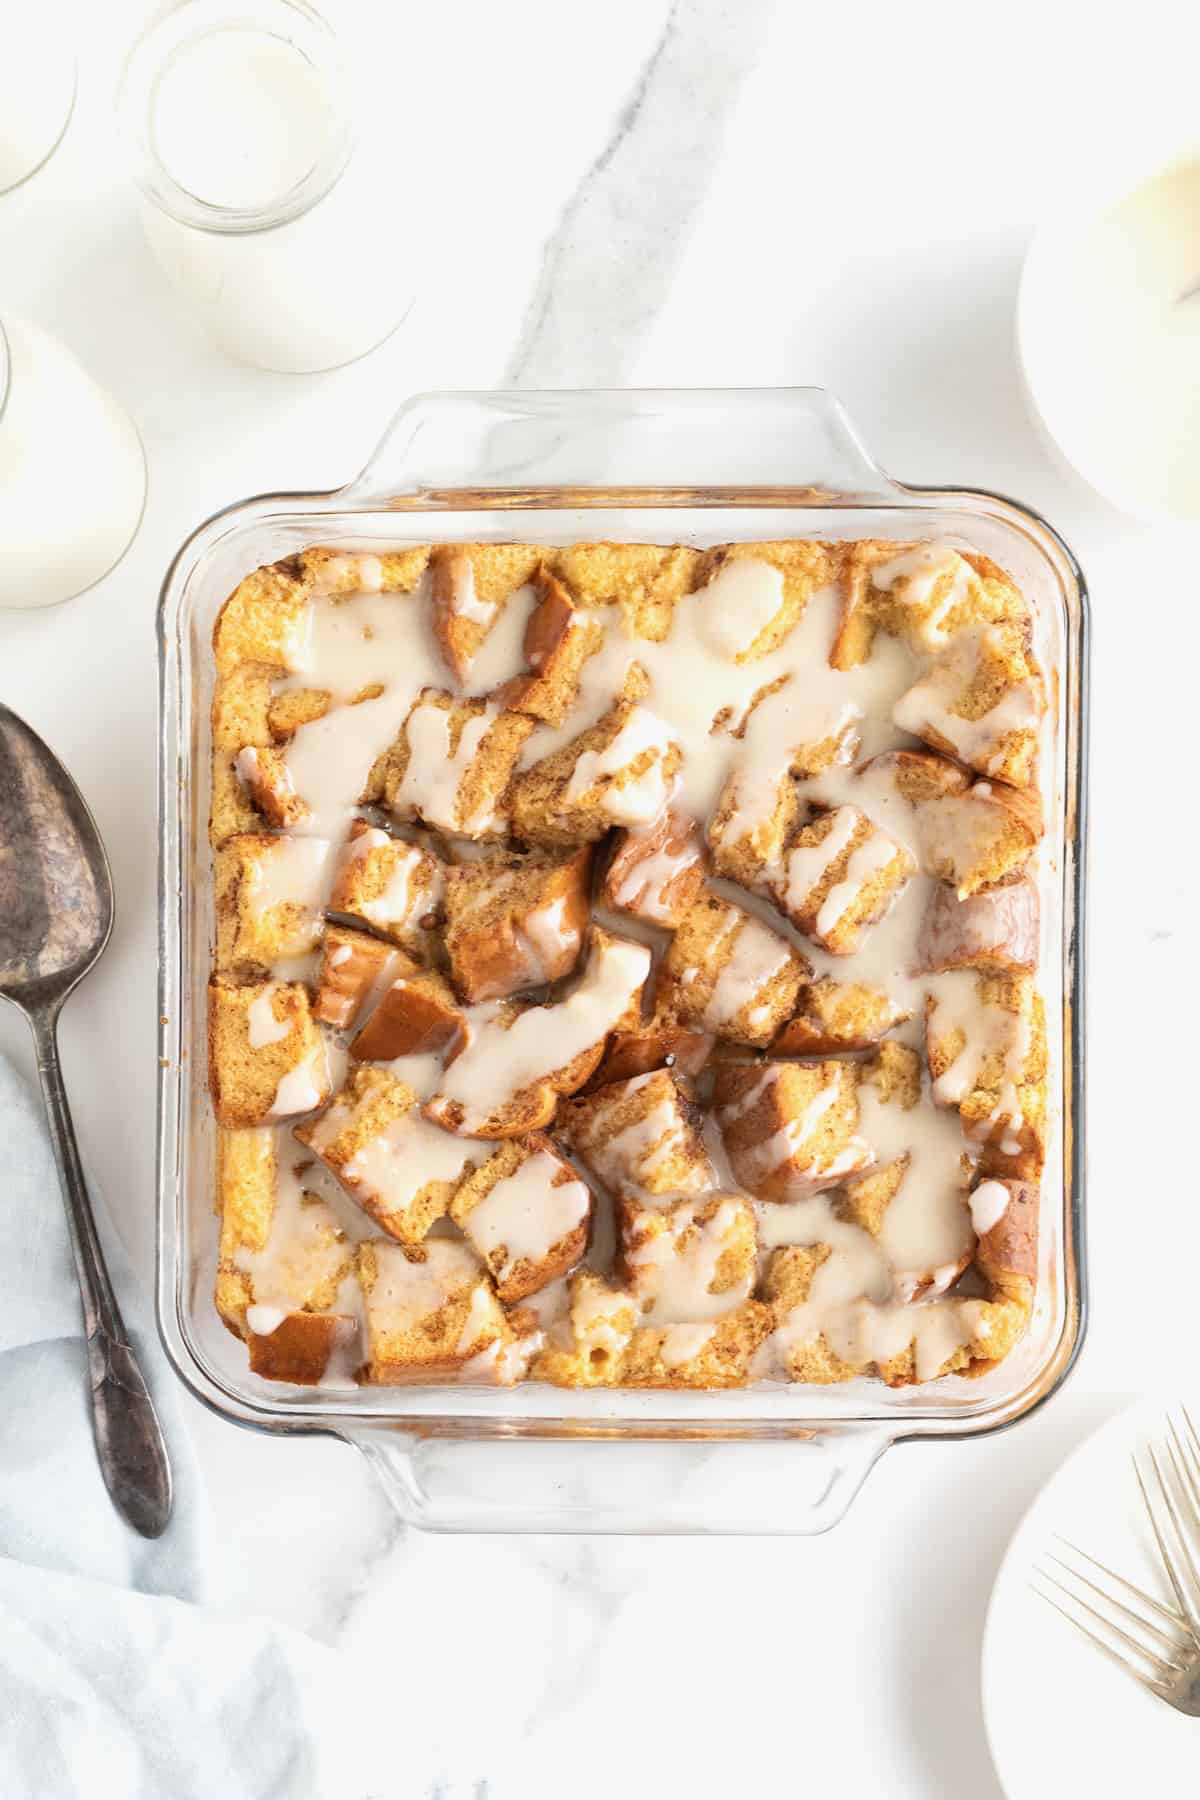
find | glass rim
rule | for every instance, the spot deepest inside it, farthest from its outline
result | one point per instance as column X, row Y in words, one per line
column 295, row 23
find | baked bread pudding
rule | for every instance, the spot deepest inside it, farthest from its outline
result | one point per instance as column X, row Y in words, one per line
column 626, row 964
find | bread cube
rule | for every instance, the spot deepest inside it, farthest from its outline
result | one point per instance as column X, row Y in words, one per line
column 657, row 871
column 758, row 593
column 982, row 701
column 1005, row 1215
column 788, row 733
column 265, row 620
column 470, row 585
column 264, row 773
column 833, row 1016
column 790, row 1128
column 451, row 764
column 640, row 1136
column 340, row 574
column 728, row 973
column 645, row 581
column 926, row 593
column 913, row 1202
column 972, row 835
column 269, row 899
column 619, row 771
column 266, row 1059
column 514, row 1064
column 418, row 1014
column 515, row 922
column 659, row 1042
column 985, row 1040
column 587, row 1347
column 799, row 1347
column 355, row 969
column 559, row 638
column 394, row 887
column 841, row 874
column 691, row 1260
column 400, row 1169
column 714, row 1353
column 994, row 932
column 430, row 1311
column 281, row 1262
column 526, row 1213
column 281, row 1245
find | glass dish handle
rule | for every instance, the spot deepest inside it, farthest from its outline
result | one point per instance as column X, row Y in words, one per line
column 672, row 440
column 778, row 1486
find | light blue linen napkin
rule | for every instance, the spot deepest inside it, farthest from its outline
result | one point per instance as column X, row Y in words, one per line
column 114, row 1679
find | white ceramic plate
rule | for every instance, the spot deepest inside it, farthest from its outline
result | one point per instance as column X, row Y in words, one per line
column 1060, row 1717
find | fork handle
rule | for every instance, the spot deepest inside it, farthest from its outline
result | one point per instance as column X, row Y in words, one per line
column 129, row 1440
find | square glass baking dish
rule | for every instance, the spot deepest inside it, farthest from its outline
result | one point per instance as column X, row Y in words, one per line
column 701, row 467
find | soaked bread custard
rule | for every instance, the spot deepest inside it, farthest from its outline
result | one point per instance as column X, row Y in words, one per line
column 626, row 964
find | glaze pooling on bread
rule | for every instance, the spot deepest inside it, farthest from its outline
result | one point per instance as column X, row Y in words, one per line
column 690, row 895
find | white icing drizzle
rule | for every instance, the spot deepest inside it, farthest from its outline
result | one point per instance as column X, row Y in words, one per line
column 290, row 871
column 302, row 1088
column 501, row 654
column 262, row 1025
column 631, row 802
column 434, row 773
column 391, row 1170
column 874, row 853
column 981, row 742
column 988, row 1203
column 525, row 1214
column 683, row 1343
column 912, row 578
column 497, row 1063
column 674, row 1285
column 988, row 1030
column 758, row 956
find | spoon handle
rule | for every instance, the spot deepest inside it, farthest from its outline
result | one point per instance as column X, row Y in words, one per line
column 129, row 1440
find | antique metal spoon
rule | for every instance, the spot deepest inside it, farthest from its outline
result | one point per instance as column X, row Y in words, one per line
column 56, row 913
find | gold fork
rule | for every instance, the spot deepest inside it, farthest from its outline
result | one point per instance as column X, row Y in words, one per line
column 1163, row 1650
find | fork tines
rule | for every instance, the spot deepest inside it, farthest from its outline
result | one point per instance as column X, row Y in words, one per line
column 1158, row 1648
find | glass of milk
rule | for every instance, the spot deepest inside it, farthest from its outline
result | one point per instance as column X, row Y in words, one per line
column 256, row 202
column 72, row 472
column 37, row 91
column 1108, row 330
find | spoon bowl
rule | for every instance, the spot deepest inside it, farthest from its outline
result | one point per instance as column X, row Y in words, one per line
column 56, row 916
column 56, row 895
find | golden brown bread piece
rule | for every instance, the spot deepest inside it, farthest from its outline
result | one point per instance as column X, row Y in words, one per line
column 659, row 1042
column 515, row 922
column 451, row 765
column 832, row 1016
column 430, row 1311
column 657, row 871
column 586, row 1347
column 790, row 1128
column 619, row 771
column 526, row 1214
column 399, row 1168
column 268, row 899
column 982, row 701
column 393, row 887
column 355, row 969
column 559, row 638
column 506, row 1078
column 995, row 932
column 470, row 585
column 688, row 1260
column 985, row 1042
column 640, row 1136
column 417, row 1014
column 300, row 1348
column 840, row 875
column 266, row 1059
column 728, row 973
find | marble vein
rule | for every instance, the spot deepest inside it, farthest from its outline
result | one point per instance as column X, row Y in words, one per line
column 610, row 261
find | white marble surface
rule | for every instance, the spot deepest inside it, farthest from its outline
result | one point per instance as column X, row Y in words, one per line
column 722, row 194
